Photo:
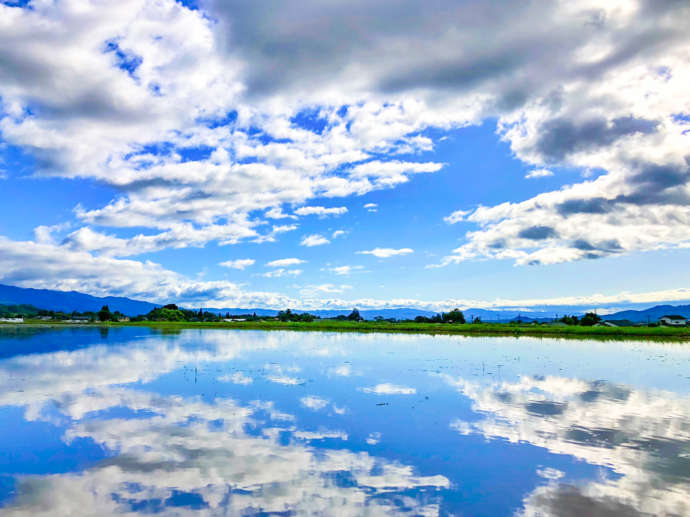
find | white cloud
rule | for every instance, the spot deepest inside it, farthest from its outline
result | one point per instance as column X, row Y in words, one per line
column 321, row 289
column 321, row 211
column 389, row 389
column 373, row 438
column 314, row 240
column 387, row 252
column 275, row 231
column 457, row 216
column 285, row 262
column 281, row 272
column 46, row 266
column 277, row 213
column 338, row 233
column 131, row 127
column 344, row 270
column 238, row 263
column 538, row 173
column 391, row 173
column 313, row 402
column 596, row 86
column 45, row 234
column 371, row 207
column 30, row 264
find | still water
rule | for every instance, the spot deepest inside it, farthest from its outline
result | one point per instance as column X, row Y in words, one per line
column 216, row 422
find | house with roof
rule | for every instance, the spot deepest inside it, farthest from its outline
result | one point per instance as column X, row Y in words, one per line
column 673, row 321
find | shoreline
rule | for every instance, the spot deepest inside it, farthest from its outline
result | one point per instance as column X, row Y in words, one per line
column 467, row 329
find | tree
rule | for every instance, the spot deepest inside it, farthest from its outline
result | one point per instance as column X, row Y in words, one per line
column 589, row 319
column 171, row 306
column 570, row 320
column 454, row 316
column 104, row 314
column 285, row 315
column 354, row 315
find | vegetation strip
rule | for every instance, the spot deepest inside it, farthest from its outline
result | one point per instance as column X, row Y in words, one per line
column 474, row 329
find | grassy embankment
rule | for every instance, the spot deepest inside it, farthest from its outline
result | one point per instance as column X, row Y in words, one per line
column 485, row 329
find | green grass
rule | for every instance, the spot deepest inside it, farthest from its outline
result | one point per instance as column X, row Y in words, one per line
column 482, row 329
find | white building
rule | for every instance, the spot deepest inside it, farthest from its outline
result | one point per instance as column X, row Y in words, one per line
column 673, row 321
column 11, row 320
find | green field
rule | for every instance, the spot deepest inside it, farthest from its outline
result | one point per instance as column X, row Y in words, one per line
column 485, row 329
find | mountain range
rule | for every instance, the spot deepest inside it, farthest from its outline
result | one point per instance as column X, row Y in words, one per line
column 652, row 314
column 68, row 301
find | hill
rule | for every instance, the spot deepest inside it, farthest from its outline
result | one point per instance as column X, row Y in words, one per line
column 652, row 314
column 68, row 301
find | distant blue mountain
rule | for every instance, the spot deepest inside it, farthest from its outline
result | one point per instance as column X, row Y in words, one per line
column 367, row 314
column 68, row 301
column 652, row 314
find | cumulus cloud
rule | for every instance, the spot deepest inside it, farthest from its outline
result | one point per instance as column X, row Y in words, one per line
column 115, row 103
column 314, row 240
column 193, row 118
column 285, row 262
column 48, row 266
column 29, row 264
column 321, row 211
column 387, row 252
column 338, row 233
column 371, row 207
column 238, row 263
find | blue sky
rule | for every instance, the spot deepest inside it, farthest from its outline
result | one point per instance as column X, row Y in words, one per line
column 470, row 164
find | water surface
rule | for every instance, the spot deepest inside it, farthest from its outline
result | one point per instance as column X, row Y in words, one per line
column 220, row 422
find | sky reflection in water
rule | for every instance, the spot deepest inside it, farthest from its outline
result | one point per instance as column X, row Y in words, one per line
column 247, row 422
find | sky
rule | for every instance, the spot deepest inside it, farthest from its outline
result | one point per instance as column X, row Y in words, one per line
column 337, row 154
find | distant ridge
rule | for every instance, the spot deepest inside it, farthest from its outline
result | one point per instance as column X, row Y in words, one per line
column 68, row 301
column 367, row 314
column 652, row 314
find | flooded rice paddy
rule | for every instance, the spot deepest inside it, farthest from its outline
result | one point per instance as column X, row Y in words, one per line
column 216, row 422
